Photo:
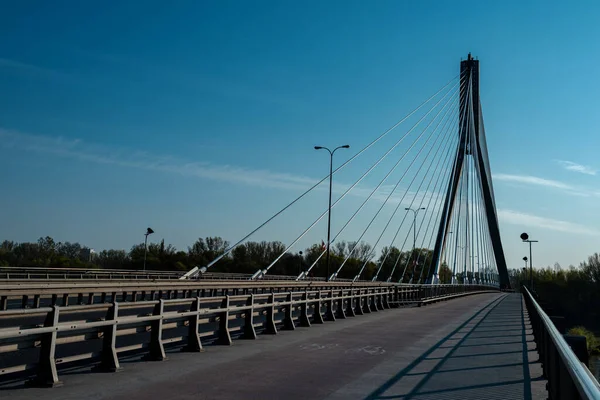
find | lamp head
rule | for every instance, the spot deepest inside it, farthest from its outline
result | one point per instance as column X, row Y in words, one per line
column 524, row 236
column 149, row 231
column 346, row 146
column 318, row 147
column 525, row 258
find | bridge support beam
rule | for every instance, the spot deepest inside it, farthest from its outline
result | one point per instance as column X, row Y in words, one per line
column 157, row 350
column 304, row 320
column 288, row 320
column 350, row 304
column 358, row 303
column 47, row 375
column 249, row 331
column 317, row 316
column 194, row 344
column 224, row 335
column 340, row 306
column 109, row 360
column 329, row 315
column 270, row 321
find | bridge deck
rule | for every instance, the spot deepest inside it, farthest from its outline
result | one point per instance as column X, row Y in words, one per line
column 477, row 347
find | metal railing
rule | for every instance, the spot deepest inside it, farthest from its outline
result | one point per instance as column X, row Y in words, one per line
column 26, row 294
column 45, row 273
column 38, row 342
column 48, row 273
column 568, row 378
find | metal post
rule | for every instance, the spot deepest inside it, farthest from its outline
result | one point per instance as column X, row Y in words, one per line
column 414, row 230
column 329, row 213
column 145, row 249
column 414, row 238
column 525, row 238
column 329, row 209
column 149, row 231
column 530, row 268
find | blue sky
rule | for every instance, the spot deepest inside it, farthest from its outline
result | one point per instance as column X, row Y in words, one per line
column 199, row 118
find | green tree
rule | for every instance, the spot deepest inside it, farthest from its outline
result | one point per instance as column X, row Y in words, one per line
column 112, row 259
column 204, row 251
column 445, row 274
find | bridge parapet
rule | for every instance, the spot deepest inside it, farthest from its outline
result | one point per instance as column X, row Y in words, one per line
column 568, row 377
column 35, row 294
column 37, row 342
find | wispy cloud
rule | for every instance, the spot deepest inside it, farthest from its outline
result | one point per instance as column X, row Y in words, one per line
column 531, row 180
column 582, row 169
column 549, row 183
column 82, row 151
column 79, row 150
column 523, row 219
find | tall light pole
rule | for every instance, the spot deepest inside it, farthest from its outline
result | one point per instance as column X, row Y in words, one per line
column 445, row 253
column 415, row 211
column 330, row 189
column 525, row 238
column 473, row 268
column 148, row 232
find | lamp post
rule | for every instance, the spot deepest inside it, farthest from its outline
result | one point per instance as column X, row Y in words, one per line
column 300, row 265
column 445, row 254
column 473, row 269
column 330, row 189
column 525, row 238
column 415, row 211
column 149, row 231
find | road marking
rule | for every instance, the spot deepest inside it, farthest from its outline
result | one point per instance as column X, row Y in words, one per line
column 371, row 350
column 316, row 346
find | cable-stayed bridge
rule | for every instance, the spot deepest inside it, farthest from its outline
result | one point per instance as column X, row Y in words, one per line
column 438, row 164
column 473, row 340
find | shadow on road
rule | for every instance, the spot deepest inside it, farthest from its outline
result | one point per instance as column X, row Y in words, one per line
column 487, row 357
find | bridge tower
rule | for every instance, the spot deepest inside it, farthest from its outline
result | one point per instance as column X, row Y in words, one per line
column 472, row 143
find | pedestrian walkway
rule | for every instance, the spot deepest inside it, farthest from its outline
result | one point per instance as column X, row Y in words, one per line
column 492, row 356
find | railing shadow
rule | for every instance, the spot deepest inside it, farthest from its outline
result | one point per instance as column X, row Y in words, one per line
column 465, row 365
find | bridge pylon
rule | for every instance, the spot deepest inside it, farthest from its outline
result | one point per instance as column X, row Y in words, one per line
column 472, row 143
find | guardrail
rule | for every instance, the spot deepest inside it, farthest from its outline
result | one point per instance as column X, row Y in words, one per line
column 568, row 378
column 29, row 294
column 38, row 342
column 44, row 273
column 27, row 273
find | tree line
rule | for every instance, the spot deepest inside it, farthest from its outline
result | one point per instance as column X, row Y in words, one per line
column 573, row 293
column 412, row 265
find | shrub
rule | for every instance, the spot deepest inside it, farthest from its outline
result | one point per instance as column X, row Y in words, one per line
column 593, row 343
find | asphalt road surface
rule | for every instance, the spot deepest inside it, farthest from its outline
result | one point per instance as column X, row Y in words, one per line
column 476, row 347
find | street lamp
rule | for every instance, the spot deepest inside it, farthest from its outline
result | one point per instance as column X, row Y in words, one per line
column 149, row 231
column 449, row 233
column 525, row 238
column 330, row 188
column 473, row 268
column 300, row 265
column 414, row 224
column 415, row 211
